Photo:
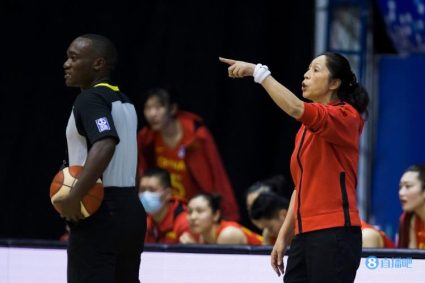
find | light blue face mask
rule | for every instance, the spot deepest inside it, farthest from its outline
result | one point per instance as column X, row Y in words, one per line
column 151, row 201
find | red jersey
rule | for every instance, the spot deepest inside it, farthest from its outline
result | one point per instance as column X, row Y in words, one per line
column 251, row 237
column 169, row 230
column 404, row 230
column 385, row 239
column 172, row 159
column 271, row 240
column 419, row 233
column 324, row 167
column 195, row 164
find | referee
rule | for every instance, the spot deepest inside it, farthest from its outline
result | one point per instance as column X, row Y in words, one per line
column 101, row 136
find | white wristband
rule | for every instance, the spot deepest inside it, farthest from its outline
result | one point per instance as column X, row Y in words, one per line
column 260, row 73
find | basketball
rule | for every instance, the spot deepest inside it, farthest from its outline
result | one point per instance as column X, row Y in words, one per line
column 64, row 181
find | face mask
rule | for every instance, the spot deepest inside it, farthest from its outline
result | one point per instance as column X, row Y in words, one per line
column 151, row 201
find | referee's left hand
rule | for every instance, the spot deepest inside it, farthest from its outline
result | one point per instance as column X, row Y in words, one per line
column 70, row 207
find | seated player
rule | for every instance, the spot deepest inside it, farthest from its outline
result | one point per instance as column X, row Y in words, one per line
column 276, row 184
column 268, row 211
column 374, row 237
column 411, row 233
column 207, row 227
column 166, row 216
column 181, row 143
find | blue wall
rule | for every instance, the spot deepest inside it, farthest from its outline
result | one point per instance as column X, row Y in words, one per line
column 400, row 133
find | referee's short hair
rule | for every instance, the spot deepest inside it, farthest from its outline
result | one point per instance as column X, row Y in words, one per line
column 105, row 48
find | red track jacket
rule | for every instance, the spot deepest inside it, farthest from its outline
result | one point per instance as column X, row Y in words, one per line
column 324, row 167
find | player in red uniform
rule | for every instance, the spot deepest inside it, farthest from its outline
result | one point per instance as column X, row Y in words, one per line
column 179, row 142
column 268, row 212
column 375, row 238
column 207, row 227
column 167, row 216
column 412, row 197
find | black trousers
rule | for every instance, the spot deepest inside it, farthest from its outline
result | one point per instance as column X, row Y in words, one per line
column 106, row 247
column 328, row 255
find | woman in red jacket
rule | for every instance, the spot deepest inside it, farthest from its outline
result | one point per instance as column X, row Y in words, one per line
column 323, row 213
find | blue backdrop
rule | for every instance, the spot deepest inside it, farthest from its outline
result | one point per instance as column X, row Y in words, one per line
column 405, row 21
column 400, row 140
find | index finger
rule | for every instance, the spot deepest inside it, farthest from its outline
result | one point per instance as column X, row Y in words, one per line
column 227, row 61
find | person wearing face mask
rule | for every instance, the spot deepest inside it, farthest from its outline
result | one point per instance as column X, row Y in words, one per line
column 412, row 197
column 166, row 215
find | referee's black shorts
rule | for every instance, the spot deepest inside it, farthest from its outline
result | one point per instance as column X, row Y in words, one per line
column 329, row 255
column 106, row 247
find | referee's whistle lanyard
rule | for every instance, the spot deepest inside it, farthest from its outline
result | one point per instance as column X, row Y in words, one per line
column 112, row 87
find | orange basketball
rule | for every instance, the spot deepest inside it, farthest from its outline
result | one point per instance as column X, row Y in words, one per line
column 64, row 181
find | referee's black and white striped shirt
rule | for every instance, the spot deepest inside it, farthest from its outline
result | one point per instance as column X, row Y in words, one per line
column 99, row 112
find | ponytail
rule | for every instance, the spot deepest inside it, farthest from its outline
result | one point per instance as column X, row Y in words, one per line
column 356, row 95
column 350, row 91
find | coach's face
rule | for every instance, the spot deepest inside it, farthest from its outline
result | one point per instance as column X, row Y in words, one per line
column 81, row 64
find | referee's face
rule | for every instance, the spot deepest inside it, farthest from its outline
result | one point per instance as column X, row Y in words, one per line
column 79, row 66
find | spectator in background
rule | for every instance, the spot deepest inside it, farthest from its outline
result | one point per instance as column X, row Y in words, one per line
column 269, row 211
column 412, row 197
column 167, row 216
column 372, row 237
column 179, row 142
column 207, row 227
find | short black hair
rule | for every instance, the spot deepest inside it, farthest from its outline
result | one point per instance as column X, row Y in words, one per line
column 268, row 205
column 105, row 48
column 162, row 174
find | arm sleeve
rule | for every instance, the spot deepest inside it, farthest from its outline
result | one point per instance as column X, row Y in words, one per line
column 338, row 124
column 93, row 117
